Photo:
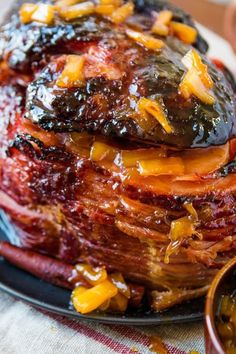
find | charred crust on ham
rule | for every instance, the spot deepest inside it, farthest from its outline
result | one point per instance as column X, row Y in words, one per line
column 64, row 179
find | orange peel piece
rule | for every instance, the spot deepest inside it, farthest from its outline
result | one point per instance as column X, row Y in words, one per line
column 154, row 109
column 185, row 33
column 101, row 151
column 145, row 40
column 162, row 166
column 193, row 85
column 193, row 59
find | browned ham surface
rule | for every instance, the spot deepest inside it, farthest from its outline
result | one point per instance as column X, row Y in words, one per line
column 67, row 204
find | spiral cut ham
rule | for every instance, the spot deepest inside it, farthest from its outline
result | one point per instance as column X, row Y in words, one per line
column 117, row 144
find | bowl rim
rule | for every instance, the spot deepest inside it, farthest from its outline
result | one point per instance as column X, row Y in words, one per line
column 209, row 313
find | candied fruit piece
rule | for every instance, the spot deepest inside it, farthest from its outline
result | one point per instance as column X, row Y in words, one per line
column 162, row 166
column 73, row 73
column 184, row 32
column 122, row 13
column 193, row 59
column 69, row 13
column 193, row 85
column 160, row 26
column 182, row 228
column 94, row 297
column 146, row 40
column 105, row 10
column 44, row 14
column 26, row 12
column 154, row 109
column 130, row 158
column 101, row 151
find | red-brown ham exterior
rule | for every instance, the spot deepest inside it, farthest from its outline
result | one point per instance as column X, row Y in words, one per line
column 69, row 207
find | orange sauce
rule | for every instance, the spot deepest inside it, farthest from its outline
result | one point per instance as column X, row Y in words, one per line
column 157, row 345
column 226, row 322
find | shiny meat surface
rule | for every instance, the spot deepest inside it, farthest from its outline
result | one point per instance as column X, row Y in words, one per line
column 159, row 208
column 107, row 102
column 25, row 45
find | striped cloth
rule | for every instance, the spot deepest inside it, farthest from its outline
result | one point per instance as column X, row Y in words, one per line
column 25, row 330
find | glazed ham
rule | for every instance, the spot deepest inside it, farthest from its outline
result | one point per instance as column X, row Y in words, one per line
column 118, row 144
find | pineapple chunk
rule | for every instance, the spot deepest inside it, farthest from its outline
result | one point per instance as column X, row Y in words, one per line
column 160, row 29
column 193, row 85
column 122, row 13
column 193, row 59
column 197, row 80
column 184, row 32
column 115, row 3
column 78, row 290
column 160, row 26
column 165, row 17
column 130, row 158
column 147, row 41
column 101, row 151
column 73, row 73
column 154, row 109
column 26, row 12
column 44, row 14
column 69, row 13
column 89, row 300
column 105, row 10
column 162, row 166
column 182, row 228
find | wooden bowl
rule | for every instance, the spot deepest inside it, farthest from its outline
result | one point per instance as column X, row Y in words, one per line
column 212, row 340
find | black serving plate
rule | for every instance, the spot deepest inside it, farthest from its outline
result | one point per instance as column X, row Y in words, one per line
column 43, row 295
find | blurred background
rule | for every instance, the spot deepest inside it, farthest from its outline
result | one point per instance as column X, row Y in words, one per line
column 216, row 20
column 211, row 13
column 219, row 20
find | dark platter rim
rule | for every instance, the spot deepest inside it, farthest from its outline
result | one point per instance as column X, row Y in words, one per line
column 141, row 319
